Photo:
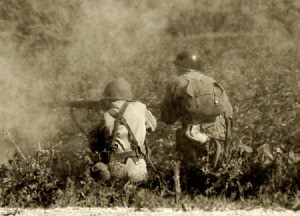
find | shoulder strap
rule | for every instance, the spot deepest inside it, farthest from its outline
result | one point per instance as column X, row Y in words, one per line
column 118, row 117
column 131, row 135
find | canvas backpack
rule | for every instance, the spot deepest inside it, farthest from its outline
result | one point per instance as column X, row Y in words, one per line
column 205, row 99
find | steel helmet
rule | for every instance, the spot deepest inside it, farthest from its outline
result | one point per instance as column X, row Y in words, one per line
column 188, row 61
column 118, row 89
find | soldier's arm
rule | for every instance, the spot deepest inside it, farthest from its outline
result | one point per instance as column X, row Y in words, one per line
column 96, row 138
column 170, row 112
column 168, row 107
column 228, row 116
column 151, row 122
column 227, row 106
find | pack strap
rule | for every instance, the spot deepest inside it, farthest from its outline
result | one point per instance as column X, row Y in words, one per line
column 134, row 142
column 119, row 119
column 137, row 151
column 118, row 116
column 229, row 125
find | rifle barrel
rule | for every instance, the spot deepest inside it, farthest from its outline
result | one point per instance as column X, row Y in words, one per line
column 81, row 104
column 89, row 104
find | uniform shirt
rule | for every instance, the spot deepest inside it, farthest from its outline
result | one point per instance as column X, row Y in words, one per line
column 139, row 119
column 171, row 110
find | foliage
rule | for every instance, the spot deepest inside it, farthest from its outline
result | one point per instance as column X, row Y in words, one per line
column 31, row 184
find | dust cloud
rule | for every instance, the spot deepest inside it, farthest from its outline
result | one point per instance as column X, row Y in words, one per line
column 66, row 51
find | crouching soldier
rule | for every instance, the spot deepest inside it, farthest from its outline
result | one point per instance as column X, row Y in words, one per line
column 202, row 105
column 120, row 136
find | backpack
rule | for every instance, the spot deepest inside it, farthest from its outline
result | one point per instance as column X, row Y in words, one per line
column 205, row 99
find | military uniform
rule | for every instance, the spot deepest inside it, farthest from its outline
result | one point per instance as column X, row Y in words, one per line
column 217, row 128
column 123, row 160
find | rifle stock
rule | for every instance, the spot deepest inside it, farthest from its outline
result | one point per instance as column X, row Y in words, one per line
column 85, row 104
column 90, row 104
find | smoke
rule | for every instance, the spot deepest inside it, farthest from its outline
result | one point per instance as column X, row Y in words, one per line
column 68, row 50
column 111, row 35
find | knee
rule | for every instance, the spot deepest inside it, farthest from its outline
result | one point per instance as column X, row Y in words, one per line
column 137, row 171
column 102, row 169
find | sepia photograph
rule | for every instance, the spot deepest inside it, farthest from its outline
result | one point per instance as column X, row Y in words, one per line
column 147, row 107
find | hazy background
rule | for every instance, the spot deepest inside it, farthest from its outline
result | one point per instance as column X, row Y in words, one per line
column 68, row 50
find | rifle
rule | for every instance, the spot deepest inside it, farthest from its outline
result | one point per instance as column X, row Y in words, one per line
column 91, row 104
column 80, row 104
column 84, row 104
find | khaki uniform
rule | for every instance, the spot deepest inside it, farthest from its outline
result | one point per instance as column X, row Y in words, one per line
column 140, row 120
column 171, row 111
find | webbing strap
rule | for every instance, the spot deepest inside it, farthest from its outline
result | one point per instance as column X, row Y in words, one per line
column 118, row 118
column 131, row 135
column 229, row 125
column 125, row 155
column 136, row 149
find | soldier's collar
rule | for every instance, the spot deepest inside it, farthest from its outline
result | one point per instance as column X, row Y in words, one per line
column 187, row 71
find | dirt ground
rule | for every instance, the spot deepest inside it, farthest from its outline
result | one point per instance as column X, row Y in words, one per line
column 76, row 211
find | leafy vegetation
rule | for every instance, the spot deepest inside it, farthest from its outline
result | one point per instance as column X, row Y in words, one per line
column 256, row 57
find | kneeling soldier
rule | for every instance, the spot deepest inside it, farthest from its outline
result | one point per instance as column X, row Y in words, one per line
column 202, row 106
column 120, row 136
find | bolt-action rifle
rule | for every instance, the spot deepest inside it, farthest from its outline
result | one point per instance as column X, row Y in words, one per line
column 96, row 105
column 83, row 104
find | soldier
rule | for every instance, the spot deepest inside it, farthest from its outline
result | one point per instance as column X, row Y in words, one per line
column 202, row 106
column 120, row 137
